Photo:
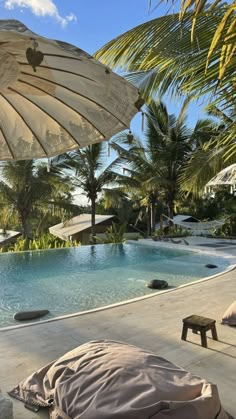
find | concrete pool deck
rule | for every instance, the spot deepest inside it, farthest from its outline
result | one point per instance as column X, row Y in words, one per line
column 154, row 324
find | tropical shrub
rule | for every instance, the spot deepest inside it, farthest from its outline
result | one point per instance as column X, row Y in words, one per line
column 169, row 231
column 114, row 234
column 228, row 229
column 47, row 241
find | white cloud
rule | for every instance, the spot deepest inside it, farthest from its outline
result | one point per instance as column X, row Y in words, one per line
column 41, row 8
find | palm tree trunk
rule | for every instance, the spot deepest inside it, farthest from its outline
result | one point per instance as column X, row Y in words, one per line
column 171, row 198
column 148, row 222
column 171, row 210
column 26, row 231
column 93, row 213
column 153, row 217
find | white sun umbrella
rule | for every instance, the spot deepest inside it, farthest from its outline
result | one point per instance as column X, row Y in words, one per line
column 54, row 97
column 226, row 177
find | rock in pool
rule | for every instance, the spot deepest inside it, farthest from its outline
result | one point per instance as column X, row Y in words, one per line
column 157, row 284
column 29, row 315
column 211, row 266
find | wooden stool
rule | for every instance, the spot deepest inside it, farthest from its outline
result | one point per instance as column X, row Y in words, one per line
column 199, row 324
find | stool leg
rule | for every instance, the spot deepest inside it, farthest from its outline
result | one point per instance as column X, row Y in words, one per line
column 203, row 339
column 214, row 332
column 184, row 332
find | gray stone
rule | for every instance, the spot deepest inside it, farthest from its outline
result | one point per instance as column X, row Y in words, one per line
column 157, row 284
column 29, row 315
column 211, row 266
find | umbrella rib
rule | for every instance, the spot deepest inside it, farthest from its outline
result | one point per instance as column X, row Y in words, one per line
column 70, row 90
column 60, row 100
column 56, row 69
column 43, row 110
column 7, row 143
column 23, row 119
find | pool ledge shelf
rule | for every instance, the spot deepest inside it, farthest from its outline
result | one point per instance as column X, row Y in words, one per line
column 29, row 315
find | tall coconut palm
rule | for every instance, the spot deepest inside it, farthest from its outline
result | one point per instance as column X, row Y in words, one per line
column 136, row 181
column 154, row 166
column 89, row 172
column 25, row 185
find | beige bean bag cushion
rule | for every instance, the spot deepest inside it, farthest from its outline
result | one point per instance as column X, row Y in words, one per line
column 113, row 380
column 229, row 316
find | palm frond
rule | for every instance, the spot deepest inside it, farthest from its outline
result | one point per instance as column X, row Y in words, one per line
column 113, row 198
column 224, row 36
column 162, row 57
column 203, row 165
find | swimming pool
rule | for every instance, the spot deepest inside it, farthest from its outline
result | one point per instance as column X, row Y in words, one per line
column 70, row 280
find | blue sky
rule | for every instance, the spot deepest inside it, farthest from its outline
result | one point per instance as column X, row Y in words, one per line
column 88, row 24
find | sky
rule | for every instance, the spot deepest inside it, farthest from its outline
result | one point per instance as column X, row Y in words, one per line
column 89, row 24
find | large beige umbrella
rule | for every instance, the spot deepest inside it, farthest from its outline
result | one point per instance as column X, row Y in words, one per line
column 54, row 97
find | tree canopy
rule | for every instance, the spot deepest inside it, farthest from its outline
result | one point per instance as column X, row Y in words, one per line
column 162, row 57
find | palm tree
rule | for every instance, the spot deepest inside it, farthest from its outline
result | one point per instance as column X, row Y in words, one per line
column 208, row 158
column 138, row 181
column 162, row 57
column 154, row 167
column 25, row 185
column 89, row 173
column 225, row 33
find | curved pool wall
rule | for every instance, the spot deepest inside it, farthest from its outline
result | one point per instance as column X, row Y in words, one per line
column 73, row 280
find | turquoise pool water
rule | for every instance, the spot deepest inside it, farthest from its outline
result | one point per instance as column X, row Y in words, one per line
column 65, row 281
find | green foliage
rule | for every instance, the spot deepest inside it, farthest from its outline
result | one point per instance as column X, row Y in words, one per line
column 221, row 206
column 172, row 232
column 28, row 192
column 89, row 172
column 163, row 57
column 47, row 241
column 88, row 169
column 114, row 234
column 209, row 208
column 228, row 229
column 6, row 219
column 210, row 156
column 224, row 38
column 152, row 167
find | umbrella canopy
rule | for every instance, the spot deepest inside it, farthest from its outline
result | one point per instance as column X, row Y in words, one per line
column 54, row 97
column 226, row 176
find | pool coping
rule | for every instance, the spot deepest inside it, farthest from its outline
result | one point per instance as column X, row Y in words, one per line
column 194, row 249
